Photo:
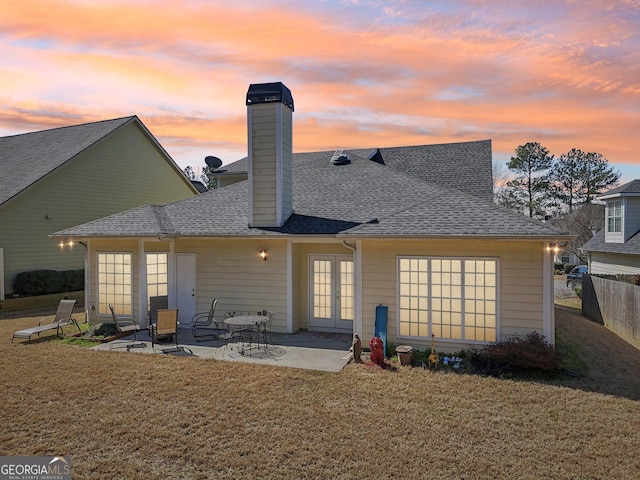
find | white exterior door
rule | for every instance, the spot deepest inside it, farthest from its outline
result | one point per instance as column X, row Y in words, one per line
column 331, row 293
column 186, row 286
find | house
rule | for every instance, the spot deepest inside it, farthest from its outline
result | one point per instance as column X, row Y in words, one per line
column 615, row 249
column 583, row 221
column 57, row 178
column 323, row 238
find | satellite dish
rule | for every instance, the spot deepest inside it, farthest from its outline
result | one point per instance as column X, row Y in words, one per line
column 213, row 162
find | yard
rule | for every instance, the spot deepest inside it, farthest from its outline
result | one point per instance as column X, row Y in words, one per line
column 134, row 416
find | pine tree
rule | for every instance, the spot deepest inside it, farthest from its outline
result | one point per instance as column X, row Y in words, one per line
column 531, row 165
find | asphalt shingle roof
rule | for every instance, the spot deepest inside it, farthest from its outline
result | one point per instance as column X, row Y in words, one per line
column 464, row 166
column 632, row 187
column 597, row 244
column 362, row 198
column 26, row 158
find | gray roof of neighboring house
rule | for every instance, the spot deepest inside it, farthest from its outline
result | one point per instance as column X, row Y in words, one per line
column 29, row 157
column 362, row 198
column 628, row 189
column 201, row 187
column 597, row 244
column 464, row 166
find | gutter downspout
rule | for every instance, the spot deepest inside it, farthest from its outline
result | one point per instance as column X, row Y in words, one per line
column 357, row 272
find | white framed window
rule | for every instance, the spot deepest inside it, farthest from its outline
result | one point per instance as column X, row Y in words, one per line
column 157, row 275
column 114, row 283
column 346, row 290
column 453, row 298
column 614, row 216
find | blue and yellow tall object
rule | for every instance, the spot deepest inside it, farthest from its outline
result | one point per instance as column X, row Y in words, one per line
column 382, row 313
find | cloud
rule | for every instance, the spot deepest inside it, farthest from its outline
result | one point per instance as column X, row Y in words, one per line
column 363, row 73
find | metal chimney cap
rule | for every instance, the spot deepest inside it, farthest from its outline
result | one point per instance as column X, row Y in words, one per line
column 269, row 93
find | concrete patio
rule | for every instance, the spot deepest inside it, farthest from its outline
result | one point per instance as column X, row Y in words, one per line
column 308, row 350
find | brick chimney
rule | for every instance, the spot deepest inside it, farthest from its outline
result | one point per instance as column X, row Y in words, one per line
column 270, row 165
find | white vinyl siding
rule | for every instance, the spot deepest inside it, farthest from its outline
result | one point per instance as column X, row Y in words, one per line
column 270, row 164
column 453, row 299
column 614, row 264
column 521, row 284
column 232, row 271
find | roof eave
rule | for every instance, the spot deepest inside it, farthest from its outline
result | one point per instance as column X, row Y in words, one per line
column 550, row 237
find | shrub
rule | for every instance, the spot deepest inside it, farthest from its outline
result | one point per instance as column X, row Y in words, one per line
column 106, row 330
column 72, row 280
column 568, row 267
column 529, row 353
column 558, row 267
column 44, row 282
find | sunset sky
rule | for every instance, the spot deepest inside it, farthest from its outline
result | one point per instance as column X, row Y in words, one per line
column 363, row 73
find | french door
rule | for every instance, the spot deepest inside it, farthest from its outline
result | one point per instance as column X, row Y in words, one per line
column 331, row 291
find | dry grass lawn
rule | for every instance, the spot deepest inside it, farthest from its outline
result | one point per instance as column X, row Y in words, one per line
column 130, row 416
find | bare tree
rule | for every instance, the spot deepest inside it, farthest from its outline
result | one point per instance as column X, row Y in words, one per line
column 500, row 176
column 583, row 222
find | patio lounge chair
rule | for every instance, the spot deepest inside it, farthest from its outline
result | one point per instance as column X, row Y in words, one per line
column 63, row 317
column 126, row 325
column 205, row 324
column 166, row 325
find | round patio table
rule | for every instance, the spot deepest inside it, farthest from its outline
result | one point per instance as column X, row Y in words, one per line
column 243, row 325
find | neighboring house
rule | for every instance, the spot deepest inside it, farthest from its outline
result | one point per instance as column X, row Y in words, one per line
column 615, row 249
column 583, row 222
column 565, row 256
column 57, row 178
column 340, row 234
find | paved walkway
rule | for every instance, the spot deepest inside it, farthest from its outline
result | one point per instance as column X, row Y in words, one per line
column 308, row 350
column 561, row 290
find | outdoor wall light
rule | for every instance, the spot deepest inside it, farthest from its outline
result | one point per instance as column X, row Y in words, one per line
column 556, row 246
column 263, row 255
column 67, row 244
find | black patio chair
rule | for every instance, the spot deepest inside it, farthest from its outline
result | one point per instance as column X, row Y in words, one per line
column 126, row 325
column 205, row 324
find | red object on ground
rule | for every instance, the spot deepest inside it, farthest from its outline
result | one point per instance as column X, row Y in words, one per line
column 377, row 353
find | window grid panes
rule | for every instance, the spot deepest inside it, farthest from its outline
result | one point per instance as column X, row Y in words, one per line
column 322, row 296
column 451, row 298
column 414, row 297
column 480, row 285
column 114, row 283
column 346, row 289
column 614, row 217
column 157, row 275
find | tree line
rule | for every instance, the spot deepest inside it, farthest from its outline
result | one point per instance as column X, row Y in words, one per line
column 544, row 186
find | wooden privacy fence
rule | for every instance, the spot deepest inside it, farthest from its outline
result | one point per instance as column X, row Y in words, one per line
column 614, row 304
